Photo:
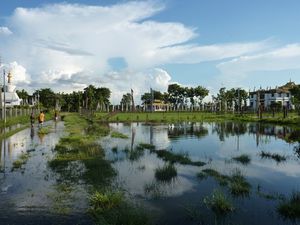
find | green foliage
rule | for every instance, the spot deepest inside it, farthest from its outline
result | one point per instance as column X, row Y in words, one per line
column 290, row 208
column 177, row 158
column 278, row 158
column 219, row 203
column 244, row 159
column 146, row 146
column 22, row 159
column 116, row 134
column 166, row 173
column 44, row 130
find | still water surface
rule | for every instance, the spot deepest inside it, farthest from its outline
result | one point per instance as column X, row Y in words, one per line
column 216, row 144
column 30, row 195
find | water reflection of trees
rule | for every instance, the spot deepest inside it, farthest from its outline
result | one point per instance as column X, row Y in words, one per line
column 227, row 129
column 192, row 129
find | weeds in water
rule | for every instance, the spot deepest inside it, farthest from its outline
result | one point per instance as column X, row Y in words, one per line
column 236, row 182
column 111, row 208
column 116, row 134
column 222, row 179
column 219, row 203
column 44, row 130
column 17, row 164
column 115, row 149
column 202, row 176
column 244, row 159
column 147, row 146
column 177, row 158
column 238, row 185
column 166, row 173
column 290, row 208
column 278, row 158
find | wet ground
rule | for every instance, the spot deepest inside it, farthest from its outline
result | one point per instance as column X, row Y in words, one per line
column 35, row 194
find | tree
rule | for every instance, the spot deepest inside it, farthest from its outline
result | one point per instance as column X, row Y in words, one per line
column 46, row 97
column 200, row 93
column 157, row 95
column 23, row 95
column 176, row 94
column 89, row 95
column 295, row 91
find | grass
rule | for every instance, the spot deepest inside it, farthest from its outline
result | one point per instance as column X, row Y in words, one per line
column 290, row 208
column 166, row 117
column 44, row 130
column 166, row 173
column 218, row 203
column 243, row 159
column 116, row 134
column 177, row 158
column 237, row 183
column 22, row 159
column 278, row 158
column 111, row 208
column 147, row 146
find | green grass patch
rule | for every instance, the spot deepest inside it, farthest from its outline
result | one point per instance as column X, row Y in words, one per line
column 111, row 208
column 278, row 158
column 219, row 203
column 116, row 134
column 243, row 159
column 290, row 208
column 177, row 158
column 44, row 130
column 237, row 183
column 22, row 159
column 166, row 173
column 147, row 146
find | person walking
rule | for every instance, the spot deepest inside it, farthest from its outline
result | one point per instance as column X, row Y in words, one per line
column 41, row 118
column 32, row 119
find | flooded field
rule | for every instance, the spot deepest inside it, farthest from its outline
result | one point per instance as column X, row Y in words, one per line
column 184, row 197
column 179, row 173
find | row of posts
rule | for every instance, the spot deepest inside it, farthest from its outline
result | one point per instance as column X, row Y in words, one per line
column 15, row 112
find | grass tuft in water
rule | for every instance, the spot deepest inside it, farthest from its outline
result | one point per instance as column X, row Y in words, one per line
column 147, row 146
column 218, row 203
column 290, row 208
column 278, row 158
column 177, row 158
column 22, row 159
column 244, row 159
column 222, row 179
column 166, row 173
column 44, row 130
column 238, row 185
column 111, row 208
column 116, row 134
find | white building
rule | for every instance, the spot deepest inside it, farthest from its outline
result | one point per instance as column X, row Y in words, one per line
column 267, row 97
column 11, row 97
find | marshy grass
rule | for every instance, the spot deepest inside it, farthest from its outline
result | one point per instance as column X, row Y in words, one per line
column 278, row 158
column 147, row 146
column 177, row 158
column 112, row 208
column 237, row 183
column 166, row 173
column 116, row 134
column 219, row 203
column 44, row 130
column 22, row 159
column 290, row 208
column 114, row 149
column 243, row 159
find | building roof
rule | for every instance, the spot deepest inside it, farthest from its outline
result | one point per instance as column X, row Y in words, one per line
column 282, row 89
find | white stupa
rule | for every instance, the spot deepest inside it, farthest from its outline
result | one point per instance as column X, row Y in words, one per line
column 11, row 97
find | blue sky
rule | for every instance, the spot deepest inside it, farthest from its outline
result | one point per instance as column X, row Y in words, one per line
column 211, row 43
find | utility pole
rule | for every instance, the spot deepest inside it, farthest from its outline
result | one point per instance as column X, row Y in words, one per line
column 1, row 108
column 4, row 100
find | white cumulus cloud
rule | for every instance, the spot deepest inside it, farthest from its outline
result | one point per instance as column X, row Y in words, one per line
column 68, row 46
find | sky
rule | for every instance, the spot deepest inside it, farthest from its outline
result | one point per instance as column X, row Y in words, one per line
column 123, row 45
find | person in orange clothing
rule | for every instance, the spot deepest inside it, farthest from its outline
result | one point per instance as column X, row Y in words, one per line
column 41, row 118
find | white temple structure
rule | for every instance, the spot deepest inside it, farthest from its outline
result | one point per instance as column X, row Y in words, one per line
column 11, row 97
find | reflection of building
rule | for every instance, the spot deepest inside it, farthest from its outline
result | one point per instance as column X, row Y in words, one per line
column 267, row 97
column 158, row 106
column 11, row 97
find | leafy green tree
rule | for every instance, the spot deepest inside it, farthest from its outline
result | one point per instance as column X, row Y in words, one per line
column 23, row 95
column 295, row 91
column 46, row 97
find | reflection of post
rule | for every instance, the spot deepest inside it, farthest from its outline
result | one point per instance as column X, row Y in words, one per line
column 132, row 137
column 151, row 134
